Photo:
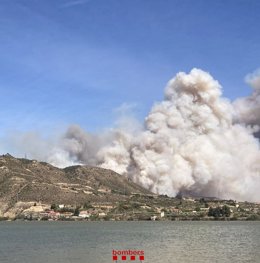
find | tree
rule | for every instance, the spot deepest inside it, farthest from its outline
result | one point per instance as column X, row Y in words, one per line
column 54, row 206
column 219, row 211
column 76, row 212
column 210, row 212
column 226, row 211
column 202, row 200
column 197, row 209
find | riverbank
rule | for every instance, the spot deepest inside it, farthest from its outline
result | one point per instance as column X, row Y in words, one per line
column 139, row 208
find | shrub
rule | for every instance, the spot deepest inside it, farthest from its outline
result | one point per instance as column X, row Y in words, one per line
column 54, row 206
column 87, row 205
column 253, row 217
column 76, row 212
column 219, row 211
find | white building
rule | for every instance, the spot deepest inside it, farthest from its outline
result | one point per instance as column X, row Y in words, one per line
column 84, row 214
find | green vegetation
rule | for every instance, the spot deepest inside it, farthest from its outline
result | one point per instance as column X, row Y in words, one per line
column 146, row 208
column 77, row 211
column 54, row 207
column 87, row 205
column 253, row 217
column 219, row 211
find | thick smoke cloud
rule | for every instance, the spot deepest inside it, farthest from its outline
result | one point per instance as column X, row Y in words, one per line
column 190, row 144
column 248, row 109
column 193, row 141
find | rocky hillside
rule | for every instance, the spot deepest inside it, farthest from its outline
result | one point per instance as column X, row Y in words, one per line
column 25, row 181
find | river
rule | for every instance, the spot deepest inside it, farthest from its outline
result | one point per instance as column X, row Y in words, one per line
column 93, row 242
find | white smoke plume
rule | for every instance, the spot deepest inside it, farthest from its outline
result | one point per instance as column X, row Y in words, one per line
column 190, row 144
column 248, row 109
column 193, row 141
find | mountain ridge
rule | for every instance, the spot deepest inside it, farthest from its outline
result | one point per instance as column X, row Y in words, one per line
column 23, row 180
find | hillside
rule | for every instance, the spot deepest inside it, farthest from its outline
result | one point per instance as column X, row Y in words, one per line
column 32, row 190
column 25, row 181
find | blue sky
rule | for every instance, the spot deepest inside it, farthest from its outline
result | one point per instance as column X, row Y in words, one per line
column 76, row 61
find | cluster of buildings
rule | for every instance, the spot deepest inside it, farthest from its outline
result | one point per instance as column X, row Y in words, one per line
column 144, row 208
column 62, row 212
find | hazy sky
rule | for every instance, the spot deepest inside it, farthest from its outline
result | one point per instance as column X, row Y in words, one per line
column 77, row 61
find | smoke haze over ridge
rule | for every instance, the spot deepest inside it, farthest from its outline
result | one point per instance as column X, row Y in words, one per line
column 194, row 140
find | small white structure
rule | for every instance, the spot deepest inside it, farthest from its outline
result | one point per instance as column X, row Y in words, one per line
column 153, row 218
column 84, row 214
column 102, row 214
column 162, row 214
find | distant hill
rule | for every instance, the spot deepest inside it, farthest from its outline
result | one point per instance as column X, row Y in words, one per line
column 23, row 180
column 32, row 190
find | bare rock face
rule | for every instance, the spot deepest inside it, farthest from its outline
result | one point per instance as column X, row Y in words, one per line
column 24, row 182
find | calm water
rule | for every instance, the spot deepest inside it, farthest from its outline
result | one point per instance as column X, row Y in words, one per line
column 92, row 242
